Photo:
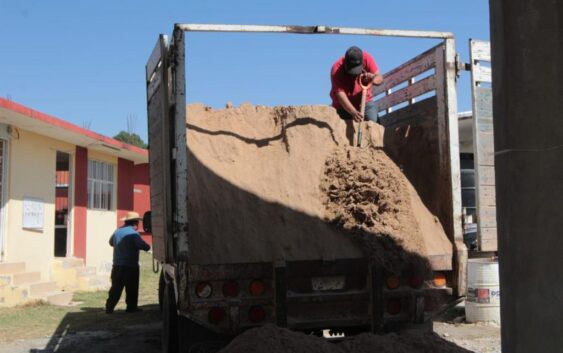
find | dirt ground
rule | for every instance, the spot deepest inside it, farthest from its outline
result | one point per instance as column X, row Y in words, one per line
column 478, row 338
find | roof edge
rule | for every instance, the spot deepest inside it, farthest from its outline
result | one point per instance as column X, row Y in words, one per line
column 57, row 122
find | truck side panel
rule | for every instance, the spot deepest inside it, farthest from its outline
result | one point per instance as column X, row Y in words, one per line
column 417, row 105
column 159, row 149
column 416, row 130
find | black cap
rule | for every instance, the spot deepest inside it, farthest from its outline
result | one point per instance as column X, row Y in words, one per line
column 354, row 61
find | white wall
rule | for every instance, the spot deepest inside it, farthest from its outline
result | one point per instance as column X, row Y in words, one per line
column 101, row 224
column 31, row 173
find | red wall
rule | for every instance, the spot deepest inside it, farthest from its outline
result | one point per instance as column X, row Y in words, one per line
column 141, row 194
column 133, row 192
column 124, row 188
column 80, row 201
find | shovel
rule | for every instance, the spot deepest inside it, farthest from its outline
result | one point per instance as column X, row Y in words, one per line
column 362, row 107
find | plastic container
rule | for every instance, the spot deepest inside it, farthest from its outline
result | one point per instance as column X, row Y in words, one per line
column 483, row 291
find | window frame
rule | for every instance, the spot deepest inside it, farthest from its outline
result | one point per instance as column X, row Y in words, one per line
column 100, row 185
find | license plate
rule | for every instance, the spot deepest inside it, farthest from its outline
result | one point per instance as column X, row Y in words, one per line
column 328, row 283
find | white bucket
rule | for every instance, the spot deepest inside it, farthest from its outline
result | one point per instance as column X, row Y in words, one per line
column 483, row 291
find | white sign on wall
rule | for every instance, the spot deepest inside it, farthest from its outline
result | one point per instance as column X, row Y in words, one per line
column 33, row 213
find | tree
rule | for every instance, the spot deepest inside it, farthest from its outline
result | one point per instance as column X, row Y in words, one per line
column 130, row 138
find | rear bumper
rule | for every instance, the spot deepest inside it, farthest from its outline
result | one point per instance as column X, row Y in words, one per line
column 289, row 300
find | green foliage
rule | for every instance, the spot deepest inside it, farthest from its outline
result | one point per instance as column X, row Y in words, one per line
column 130, row 138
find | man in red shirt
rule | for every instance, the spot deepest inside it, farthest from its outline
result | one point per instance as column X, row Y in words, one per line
column 346, row 92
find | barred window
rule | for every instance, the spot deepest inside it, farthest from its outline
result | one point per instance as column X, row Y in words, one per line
column 100, row 185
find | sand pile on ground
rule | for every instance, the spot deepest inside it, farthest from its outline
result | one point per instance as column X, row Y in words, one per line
column 266, row 183
column 273, row 339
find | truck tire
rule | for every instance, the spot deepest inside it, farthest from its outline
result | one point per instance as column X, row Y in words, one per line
column 169, row 320
column 161, row 285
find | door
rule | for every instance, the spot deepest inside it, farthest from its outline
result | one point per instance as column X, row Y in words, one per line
column 62, row 196
column 160, row 147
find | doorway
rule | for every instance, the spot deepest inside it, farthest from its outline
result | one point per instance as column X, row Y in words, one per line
column 62, row 196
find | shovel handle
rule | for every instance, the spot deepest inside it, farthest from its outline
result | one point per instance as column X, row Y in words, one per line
column 362, row 107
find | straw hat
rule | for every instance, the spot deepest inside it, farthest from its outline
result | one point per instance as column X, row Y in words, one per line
column 131, row 216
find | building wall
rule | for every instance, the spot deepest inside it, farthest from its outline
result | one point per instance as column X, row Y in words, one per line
column 124, row 189
column 79, row 215
column 101, row 224
column 31, row 173
column 141, row 195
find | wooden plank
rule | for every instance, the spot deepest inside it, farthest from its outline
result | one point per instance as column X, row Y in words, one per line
column 409, row 69
column 405, row 94
column 159, row 149
column 418, row 111
column 488, row 239
column 412, row 142
column 483, row 110
column 180, row 143
column 154, row 84
column 485, row 176
column 154, row 58
column 486, row 150
column 196, row 27
column 487, row 217
column 482, row 73
column 480, row 50
column 483, row 144
column 487, row 196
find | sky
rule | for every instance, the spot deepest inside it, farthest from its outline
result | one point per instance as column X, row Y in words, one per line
column 84, row 61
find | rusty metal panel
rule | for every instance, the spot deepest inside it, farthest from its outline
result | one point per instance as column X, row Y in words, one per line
column 159, row 147
column 180, row 144
column 483, row 144
column 411, row 140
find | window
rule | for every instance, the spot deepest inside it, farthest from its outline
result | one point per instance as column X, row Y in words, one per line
column 468, row 184
column 100, row 185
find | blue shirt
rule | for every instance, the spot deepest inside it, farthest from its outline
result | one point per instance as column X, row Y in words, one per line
column 127, row 242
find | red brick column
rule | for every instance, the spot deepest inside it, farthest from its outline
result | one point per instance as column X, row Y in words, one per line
column 80, row 201
column 125, row 184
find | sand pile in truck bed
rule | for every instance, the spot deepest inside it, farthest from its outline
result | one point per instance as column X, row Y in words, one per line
column 273, row 339
column 283, row 183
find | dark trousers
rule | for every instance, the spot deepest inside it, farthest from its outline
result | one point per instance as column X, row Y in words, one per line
column 123, row 276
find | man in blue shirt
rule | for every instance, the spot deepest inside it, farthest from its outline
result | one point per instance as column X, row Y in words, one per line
column 126, row 242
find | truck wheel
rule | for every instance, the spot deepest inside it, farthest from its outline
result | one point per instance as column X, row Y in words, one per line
column 161, row 285
column 169, row 320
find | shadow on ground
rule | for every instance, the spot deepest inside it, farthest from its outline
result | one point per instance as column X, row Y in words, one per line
column 92, row 330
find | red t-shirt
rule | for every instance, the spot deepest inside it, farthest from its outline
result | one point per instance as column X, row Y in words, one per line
column 341, row 81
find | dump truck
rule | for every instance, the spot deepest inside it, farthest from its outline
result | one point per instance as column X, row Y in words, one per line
column 218, row 295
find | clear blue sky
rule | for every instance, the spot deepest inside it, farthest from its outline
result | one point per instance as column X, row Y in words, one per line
column 83, row 61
